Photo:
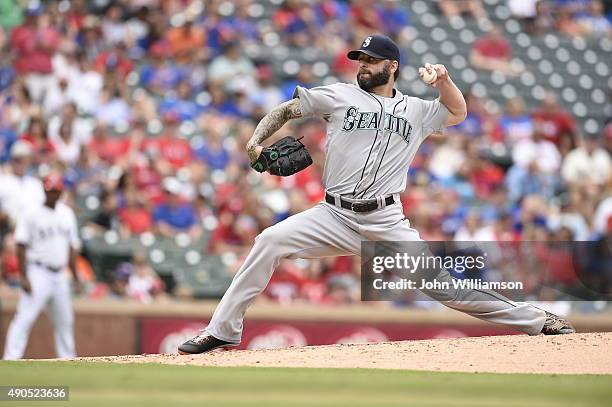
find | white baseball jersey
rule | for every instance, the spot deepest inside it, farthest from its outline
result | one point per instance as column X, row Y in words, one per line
column 48, row 233
column 371, row 140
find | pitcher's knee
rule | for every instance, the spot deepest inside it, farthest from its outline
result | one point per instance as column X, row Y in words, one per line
column 271, row 237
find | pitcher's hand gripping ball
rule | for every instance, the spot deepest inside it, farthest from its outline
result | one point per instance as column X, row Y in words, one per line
column 285, row 157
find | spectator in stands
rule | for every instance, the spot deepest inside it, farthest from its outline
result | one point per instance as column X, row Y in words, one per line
column 7, row 137
column 232, row 65
column 522, row 181
column 108, row 149
column 180, row 105
column 173, row 216
column 88, row 175
column 34, row 43
column 160, row 74
column 85, row 84
column 493, row 53
column 364, row 18
column 523, row 9
column 114, row 61
column 67, row 146
column 459, row 8
column 113, row 107
column 143, row 284
column 134, row 216
column 602, row 217
column 90, row 37
column 538, row 150
column 172, row 151
column 304, row 78
column 106, row 218
column 565, row 23
column 9, row 262
column 113, row 29
column 545, row 18
column 268, row 94
column 553, row 121
column 220, row 102
column 594, row 22
column 11, row 15
column 186, row 42
column 18, row 189
column 18, row 107
column 212, row 151
column 396, row 20
column 484, row 176
column 587, row 165
column 474, row 230
column 243, row 27
column 516, row 124
column 56, row 96
column 81, row 127
column 43, row 150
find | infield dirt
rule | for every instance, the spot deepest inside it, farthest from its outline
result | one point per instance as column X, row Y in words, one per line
column 584, row 353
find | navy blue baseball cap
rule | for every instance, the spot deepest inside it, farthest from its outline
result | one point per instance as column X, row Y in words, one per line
column 377, row 46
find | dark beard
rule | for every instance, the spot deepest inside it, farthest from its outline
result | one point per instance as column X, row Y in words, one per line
column 377, row 79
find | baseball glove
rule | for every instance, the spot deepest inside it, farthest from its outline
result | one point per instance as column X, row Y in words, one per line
column 285, row 157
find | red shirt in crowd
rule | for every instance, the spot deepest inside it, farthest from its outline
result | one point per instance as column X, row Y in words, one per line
column 122, row 65
column 485, row 179
column 110, row 149
column 137, row 220
column 34, row 48
column 490, row 48
column 41, row 147
column 553, row 125
column 365, row 17
column 149, row 181
column 172, row 149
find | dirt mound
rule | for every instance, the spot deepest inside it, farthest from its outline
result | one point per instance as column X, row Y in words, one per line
column 567, row 354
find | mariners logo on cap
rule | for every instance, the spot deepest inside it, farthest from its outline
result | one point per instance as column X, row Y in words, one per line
column 366, row 42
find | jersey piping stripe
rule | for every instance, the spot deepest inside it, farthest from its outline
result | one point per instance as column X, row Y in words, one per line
column 384, row 152
column 492, row 294
column 382, row 113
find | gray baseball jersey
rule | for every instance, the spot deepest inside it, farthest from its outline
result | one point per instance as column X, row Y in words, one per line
column 371, row 140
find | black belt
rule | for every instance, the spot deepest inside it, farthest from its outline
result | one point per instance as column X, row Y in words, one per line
column 361, row 206
column 50, row 268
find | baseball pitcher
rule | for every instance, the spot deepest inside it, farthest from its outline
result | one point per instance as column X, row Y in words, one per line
column 373, row 133
column 47, row 241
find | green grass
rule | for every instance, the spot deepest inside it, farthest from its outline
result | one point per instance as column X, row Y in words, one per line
column 152, row 385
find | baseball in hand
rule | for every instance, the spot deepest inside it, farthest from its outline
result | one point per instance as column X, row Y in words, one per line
column 430, row 76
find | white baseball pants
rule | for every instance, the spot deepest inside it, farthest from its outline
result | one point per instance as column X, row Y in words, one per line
column 48, row 289
column 326, row 230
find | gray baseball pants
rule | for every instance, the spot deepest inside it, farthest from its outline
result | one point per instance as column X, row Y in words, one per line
column 326, row 230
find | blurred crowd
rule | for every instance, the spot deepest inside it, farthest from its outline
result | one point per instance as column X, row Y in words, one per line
column 574, row 18
column 147, row 105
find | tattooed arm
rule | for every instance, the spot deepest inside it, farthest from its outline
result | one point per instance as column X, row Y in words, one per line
column 270, row 124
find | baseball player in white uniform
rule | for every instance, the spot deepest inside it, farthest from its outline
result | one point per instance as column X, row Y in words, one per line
column 47, row 241
column 373, row 133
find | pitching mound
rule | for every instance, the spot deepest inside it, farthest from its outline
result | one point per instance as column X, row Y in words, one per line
column 567, row 354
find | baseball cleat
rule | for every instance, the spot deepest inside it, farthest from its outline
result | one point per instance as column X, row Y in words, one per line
column 202, row 343
column 556, row 325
